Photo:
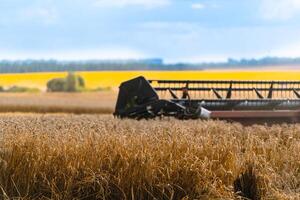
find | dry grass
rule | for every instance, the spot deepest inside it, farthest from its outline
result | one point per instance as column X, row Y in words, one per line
column 98, row 157
column 79, row 103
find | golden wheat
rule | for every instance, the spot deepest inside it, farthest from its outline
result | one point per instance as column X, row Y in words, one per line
column 91, row 102
column 98, row 157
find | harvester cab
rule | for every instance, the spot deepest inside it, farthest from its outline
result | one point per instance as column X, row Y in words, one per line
column 244, row 101
column 138, row 99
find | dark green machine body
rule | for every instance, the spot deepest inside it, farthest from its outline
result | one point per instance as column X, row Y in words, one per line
column 137, row 99
column 239, row 100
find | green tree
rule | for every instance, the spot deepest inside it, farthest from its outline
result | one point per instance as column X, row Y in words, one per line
column 81, row 82
column 56, row 85
column 71, row 83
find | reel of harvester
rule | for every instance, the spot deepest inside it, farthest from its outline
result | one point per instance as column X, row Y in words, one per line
column 245, row 101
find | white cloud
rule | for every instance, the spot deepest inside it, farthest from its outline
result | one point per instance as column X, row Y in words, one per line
column 124, row 3
column 46, row 15
column 192, row 42
column 179, row 26
column 198, row 6
column 290, row 50
column 82, row 54
column 198, row 59
column 279, row 9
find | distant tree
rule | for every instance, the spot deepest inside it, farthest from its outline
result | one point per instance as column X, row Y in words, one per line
column 72, row 83
column 56, row 85
column 81, row 82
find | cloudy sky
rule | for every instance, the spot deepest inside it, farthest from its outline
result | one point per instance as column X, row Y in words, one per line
column 176, row 30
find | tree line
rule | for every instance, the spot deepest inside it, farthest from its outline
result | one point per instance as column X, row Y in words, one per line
column 26, row 66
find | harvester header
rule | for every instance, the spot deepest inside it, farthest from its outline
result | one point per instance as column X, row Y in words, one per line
column 246, row 101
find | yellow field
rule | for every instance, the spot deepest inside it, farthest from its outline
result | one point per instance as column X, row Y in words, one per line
column 113, row 79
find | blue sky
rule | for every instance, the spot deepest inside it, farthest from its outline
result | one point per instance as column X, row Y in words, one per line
column 176, row 30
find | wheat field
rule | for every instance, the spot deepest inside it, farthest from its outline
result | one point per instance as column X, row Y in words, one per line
column 114, row 78
column 57, row 156
column 67, row 156
column 79, row 103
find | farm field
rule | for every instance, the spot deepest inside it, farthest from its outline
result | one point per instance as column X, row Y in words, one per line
column 88, row 102
column 113, row 79
column 94, row 156
column 59, row 156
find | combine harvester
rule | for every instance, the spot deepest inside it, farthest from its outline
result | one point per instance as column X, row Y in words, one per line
column 247, row 102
